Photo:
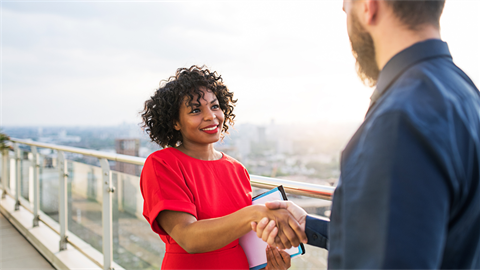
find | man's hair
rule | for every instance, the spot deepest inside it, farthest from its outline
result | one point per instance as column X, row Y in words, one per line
column 417, row 13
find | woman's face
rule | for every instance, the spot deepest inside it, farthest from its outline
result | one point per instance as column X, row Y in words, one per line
column 200, row 123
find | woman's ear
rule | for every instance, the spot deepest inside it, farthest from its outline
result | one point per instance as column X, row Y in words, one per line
column 176, row 126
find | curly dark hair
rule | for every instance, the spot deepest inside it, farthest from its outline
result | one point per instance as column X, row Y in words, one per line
column 161, row 111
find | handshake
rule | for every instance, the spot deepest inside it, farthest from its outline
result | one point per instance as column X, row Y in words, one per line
column 282, row 231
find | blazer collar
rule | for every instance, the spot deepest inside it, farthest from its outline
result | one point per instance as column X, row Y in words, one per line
column 418, row 52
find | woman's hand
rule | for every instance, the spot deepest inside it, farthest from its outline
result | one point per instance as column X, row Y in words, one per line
column 277, row 259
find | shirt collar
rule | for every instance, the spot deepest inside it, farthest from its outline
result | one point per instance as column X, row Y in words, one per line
column 418, row 52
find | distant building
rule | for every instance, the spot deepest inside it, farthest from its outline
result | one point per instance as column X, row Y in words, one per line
column 262, row 137
column 129, row 147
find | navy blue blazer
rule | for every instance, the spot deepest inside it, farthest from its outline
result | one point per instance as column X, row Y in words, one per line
column 409, row 191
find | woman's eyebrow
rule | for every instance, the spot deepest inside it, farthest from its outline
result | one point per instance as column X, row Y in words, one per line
column 191, row 104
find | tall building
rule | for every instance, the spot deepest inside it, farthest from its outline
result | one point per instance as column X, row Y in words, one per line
column 129, row 147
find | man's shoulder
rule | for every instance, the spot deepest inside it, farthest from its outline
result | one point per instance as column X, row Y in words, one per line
column 434, row 102
column 432, row 88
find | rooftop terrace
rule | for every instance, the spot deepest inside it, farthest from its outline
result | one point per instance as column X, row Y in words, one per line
column 79, row 215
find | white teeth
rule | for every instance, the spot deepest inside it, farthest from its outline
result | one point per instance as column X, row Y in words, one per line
column 212, row 128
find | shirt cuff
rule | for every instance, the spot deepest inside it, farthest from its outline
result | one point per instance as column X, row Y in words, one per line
column 317, row 232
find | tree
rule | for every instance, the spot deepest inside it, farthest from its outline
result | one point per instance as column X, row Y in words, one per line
column 3, row 141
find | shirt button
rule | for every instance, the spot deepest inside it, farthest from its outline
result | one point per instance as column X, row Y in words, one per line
column 315, row 236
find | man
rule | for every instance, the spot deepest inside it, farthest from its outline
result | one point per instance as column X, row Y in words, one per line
column 409, row 192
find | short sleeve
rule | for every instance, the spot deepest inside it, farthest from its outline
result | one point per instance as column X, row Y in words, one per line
column 163, row 187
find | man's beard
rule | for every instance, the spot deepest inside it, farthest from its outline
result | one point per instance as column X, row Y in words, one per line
column 363, row 50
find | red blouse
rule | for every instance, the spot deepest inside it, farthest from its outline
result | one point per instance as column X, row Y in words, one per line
column 172, row 180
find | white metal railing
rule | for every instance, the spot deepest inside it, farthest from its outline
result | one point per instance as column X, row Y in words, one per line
column 298, row 188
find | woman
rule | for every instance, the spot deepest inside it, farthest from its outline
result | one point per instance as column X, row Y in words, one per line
column 196, row 198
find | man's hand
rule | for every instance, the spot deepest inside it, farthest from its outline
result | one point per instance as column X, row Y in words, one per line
column 269, row 232
column 288, row 230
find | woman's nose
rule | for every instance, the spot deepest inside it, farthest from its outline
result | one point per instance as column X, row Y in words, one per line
column 209, row 115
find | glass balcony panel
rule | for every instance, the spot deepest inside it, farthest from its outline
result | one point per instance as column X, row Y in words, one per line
column 135, row 245
column 48, row 185
column 85, row 202
column 313, row 259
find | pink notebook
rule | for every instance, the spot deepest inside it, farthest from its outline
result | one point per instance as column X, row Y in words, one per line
column 253, row 246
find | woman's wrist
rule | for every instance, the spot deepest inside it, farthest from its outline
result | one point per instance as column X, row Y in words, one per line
column 258, row 212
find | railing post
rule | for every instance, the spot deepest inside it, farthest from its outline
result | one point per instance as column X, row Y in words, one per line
column 5, row 169
column 107, row 214
column 36, row 197
column 62, row 199
column 18, row 173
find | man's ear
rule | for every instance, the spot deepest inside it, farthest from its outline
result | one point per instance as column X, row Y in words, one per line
column 370, row 11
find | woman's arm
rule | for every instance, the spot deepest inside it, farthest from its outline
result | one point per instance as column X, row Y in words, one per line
column 197, row 236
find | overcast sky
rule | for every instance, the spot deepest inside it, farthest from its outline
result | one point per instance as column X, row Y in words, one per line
column 80, row 63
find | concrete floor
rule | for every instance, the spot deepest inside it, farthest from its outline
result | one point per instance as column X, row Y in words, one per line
column 16, row 252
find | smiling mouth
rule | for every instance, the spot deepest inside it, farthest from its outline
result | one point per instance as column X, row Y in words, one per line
column 210, row 128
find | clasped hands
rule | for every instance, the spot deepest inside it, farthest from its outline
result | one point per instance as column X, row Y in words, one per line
column 282, row 230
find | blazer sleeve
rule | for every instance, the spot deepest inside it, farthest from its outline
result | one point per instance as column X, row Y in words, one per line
column 317, row 232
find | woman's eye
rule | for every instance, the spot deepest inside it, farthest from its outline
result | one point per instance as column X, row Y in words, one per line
column 195, row 111
column 216, row 106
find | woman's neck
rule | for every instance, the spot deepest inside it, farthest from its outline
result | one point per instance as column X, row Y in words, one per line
column 201, row 152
